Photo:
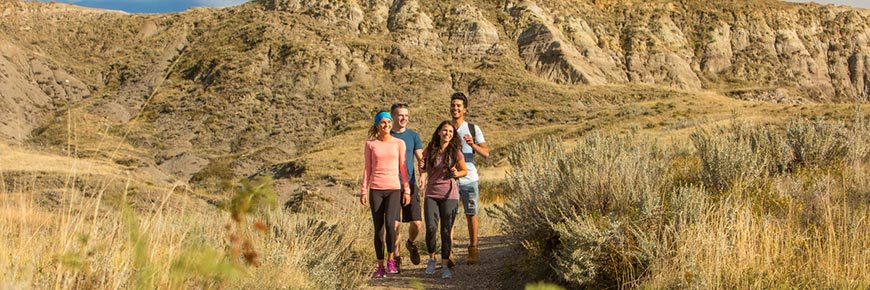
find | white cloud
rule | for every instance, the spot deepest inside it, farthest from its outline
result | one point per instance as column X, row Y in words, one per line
column 220, row 3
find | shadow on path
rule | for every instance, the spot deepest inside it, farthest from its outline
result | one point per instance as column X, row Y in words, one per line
column 493, row 271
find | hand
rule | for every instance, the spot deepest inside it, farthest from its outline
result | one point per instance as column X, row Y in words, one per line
column 364, row 199
column 453, row 172
column 406, row 199
column 468, row 139
column 422, row 165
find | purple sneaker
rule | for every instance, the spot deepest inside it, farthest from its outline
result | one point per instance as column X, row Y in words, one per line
column 391, row 267
column 380, row 273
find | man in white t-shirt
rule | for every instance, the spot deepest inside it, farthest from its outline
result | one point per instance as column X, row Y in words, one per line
column 472, row 142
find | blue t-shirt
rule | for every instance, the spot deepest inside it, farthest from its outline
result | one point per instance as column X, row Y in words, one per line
column 412, row 143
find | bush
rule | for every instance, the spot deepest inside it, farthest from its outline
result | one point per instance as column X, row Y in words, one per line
column 586, row 205
column 747, row 207
column 748, row 155
column 739, row 154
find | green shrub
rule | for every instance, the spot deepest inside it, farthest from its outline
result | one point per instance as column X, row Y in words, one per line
column 583, row 209
column 740, row 154
column 747, row 155
column 817, row 143
column 748, row 207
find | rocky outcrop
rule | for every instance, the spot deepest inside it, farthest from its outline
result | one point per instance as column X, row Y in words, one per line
column 547, row 53
column 348, row 14
column 471, row 32
column 32, row 88
column 412, row 27
column 657, row 52
column 290, row 73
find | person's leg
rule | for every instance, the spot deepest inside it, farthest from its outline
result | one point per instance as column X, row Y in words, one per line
column 397, row 254
column 413, row 218
column 469, row 194
column 393, row 209
column 412, row 214
column 448, row 209
column 432, row 218
column 431, row 214
column 377, row 206
column 398, row 246
column 472, row 229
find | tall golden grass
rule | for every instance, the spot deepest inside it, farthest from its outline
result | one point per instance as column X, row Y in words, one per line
column 87, row 242
column 741, row 206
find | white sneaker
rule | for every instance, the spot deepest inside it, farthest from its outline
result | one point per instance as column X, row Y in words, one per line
column 430, row 267
column 445, row 273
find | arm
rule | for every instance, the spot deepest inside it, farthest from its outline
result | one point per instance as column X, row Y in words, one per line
column 423, row 174
column 481, row 149
column 367, row 171
column 403, row 171
column 418, row 154
column 460, row 169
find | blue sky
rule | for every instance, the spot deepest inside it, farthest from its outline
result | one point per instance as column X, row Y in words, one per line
column 152, row 6
column 160, row 6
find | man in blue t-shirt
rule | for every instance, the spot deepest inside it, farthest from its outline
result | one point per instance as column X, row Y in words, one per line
column 472, row 142
column 411, row 213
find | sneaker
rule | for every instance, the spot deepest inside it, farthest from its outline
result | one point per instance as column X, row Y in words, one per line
column 472, row 255
column 380, row 273
column 415, row 255
column 391, row 267
column 430, row 267
column 445, row 273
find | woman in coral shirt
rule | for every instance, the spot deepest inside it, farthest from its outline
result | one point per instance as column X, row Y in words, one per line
column 381, row 188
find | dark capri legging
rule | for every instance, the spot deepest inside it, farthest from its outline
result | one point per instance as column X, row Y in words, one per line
column 441, row 211
column 386, row 208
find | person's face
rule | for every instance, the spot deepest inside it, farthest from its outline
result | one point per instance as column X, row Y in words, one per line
column 446, row 133
column 457, row 108
column 385, row 126
column 401, row 117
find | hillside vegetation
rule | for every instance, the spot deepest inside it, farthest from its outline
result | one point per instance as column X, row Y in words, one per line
column 658, row 144
column 743, row 206
column 256, row 86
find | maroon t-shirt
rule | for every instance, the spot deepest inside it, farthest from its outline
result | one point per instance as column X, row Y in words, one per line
column 438, row 184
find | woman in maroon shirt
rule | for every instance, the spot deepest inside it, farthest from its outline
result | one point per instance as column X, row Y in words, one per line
column 443, row 163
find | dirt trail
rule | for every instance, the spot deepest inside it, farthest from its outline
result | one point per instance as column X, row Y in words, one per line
column 493, row 270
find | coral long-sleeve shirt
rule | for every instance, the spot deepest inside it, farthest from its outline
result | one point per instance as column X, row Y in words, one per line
column 385, row 162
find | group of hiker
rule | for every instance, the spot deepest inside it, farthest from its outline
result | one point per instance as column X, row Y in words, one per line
column 447, row 176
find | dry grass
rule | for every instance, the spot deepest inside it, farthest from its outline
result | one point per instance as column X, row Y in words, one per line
column 13, row 159
column 167, row 241
column 739, row 209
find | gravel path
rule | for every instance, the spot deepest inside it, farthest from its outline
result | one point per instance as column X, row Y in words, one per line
column 493, row 270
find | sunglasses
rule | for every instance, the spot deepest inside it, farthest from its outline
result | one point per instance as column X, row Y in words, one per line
column 398, row 105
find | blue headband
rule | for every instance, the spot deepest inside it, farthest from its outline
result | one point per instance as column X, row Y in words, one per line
column 382, row 115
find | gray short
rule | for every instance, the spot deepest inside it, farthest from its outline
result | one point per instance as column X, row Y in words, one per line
column 468, row 194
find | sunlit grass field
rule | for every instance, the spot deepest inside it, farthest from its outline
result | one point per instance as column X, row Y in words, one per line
column 657, row 194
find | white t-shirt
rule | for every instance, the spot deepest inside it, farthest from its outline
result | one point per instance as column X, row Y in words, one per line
column 466, row 149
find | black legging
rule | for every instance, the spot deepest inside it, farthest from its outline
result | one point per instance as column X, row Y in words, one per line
column 444, row 210
column 386, row 208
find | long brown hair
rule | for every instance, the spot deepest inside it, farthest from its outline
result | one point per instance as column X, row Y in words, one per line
column 449, row 153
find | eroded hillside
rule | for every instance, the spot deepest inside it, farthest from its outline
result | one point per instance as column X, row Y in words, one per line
column 215, row 93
